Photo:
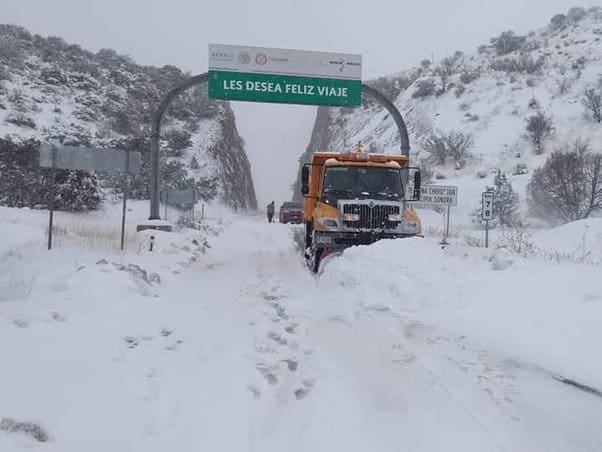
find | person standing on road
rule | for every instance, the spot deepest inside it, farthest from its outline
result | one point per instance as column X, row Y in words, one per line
column 270, row 211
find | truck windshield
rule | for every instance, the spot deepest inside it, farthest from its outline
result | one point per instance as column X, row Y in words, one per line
column 355, row 182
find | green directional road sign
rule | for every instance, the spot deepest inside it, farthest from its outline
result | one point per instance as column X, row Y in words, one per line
column 284, row 76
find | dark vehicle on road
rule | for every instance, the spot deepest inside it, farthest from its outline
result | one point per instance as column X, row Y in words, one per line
column 291, row 212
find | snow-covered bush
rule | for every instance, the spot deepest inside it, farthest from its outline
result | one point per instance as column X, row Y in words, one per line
column 424, row 88
column 592, row 101
column 569, row 186
column 25, row 184
column 507, row 42
column 576, row 14
column 20, row 119
column 177, row 140
column 469, row 75
column 460, row 89
column 539, row 129
column 558, row 21
column 76, row 190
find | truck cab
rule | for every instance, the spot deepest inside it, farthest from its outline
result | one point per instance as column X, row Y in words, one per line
column 356, row 198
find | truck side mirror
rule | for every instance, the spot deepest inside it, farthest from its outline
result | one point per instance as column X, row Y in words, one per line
column 417, row 182
column 305, row 179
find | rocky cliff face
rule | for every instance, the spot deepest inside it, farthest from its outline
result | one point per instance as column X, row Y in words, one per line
column 52, row 90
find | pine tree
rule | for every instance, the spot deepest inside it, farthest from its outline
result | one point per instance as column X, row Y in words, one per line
column 505, row 201
column 505, row 204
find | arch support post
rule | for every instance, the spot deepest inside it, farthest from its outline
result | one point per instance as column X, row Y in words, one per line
column 155, row 182
column 395, row 114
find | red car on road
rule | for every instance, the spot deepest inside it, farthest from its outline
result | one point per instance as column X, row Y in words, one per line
column 291, row 212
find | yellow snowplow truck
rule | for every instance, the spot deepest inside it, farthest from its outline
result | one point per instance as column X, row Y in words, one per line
column 356, row 198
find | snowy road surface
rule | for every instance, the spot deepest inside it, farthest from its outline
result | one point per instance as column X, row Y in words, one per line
column 237, row 347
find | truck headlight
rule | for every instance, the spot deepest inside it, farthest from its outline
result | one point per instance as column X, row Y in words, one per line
column 395, row 217
column 329, row 224
column 350, row 217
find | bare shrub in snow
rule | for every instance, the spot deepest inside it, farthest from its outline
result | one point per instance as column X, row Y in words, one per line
column 478, row 222
column 453, row 145
column 539, row 129
column 518, row 241
column 507, row 42
column 474, row 242
column 564, row 84
column 520, row 169
column 569, row 186
column 592, row 101
column 524, row 64
column 424, row 88
column 460, row 89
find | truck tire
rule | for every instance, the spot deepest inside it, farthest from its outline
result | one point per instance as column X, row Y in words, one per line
column 316, row 257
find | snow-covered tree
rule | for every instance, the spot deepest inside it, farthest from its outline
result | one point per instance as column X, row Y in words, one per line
column 507, row 42
column 592, row 101
column 539, row 129
column 505, row 201
column 558, row 21
column 505, row 204
column 569, row 186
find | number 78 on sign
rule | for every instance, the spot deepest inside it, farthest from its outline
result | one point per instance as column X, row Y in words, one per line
column 487, row 206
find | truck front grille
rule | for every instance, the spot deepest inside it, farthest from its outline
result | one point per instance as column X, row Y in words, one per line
column 371, row 217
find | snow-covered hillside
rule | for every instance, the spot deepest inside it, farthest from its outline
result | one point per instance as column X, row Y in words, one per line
column 221, row 339
column 53, row 90
column 488, row 95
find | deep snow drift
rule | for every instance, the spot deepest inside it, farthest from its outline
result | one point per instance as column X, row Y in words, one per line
column 221, row 339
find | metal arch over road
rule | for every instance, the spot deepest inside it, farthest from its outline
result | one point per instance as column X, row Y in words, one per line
column 203, row 78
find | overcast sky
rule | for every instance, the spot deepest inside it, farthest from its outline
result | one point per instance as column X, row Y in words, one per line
column 390, row 34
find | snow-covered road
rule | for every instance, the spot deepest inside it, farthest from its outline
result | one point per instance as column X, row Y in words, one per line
column 398, row 346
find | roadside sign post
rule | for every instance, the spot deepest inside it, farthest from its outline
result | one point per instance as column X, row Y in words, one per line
column 52, row 196
column 88, row 159
column 175, row 197
column 126, row 184
column 487, row 213
column 439, row 196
